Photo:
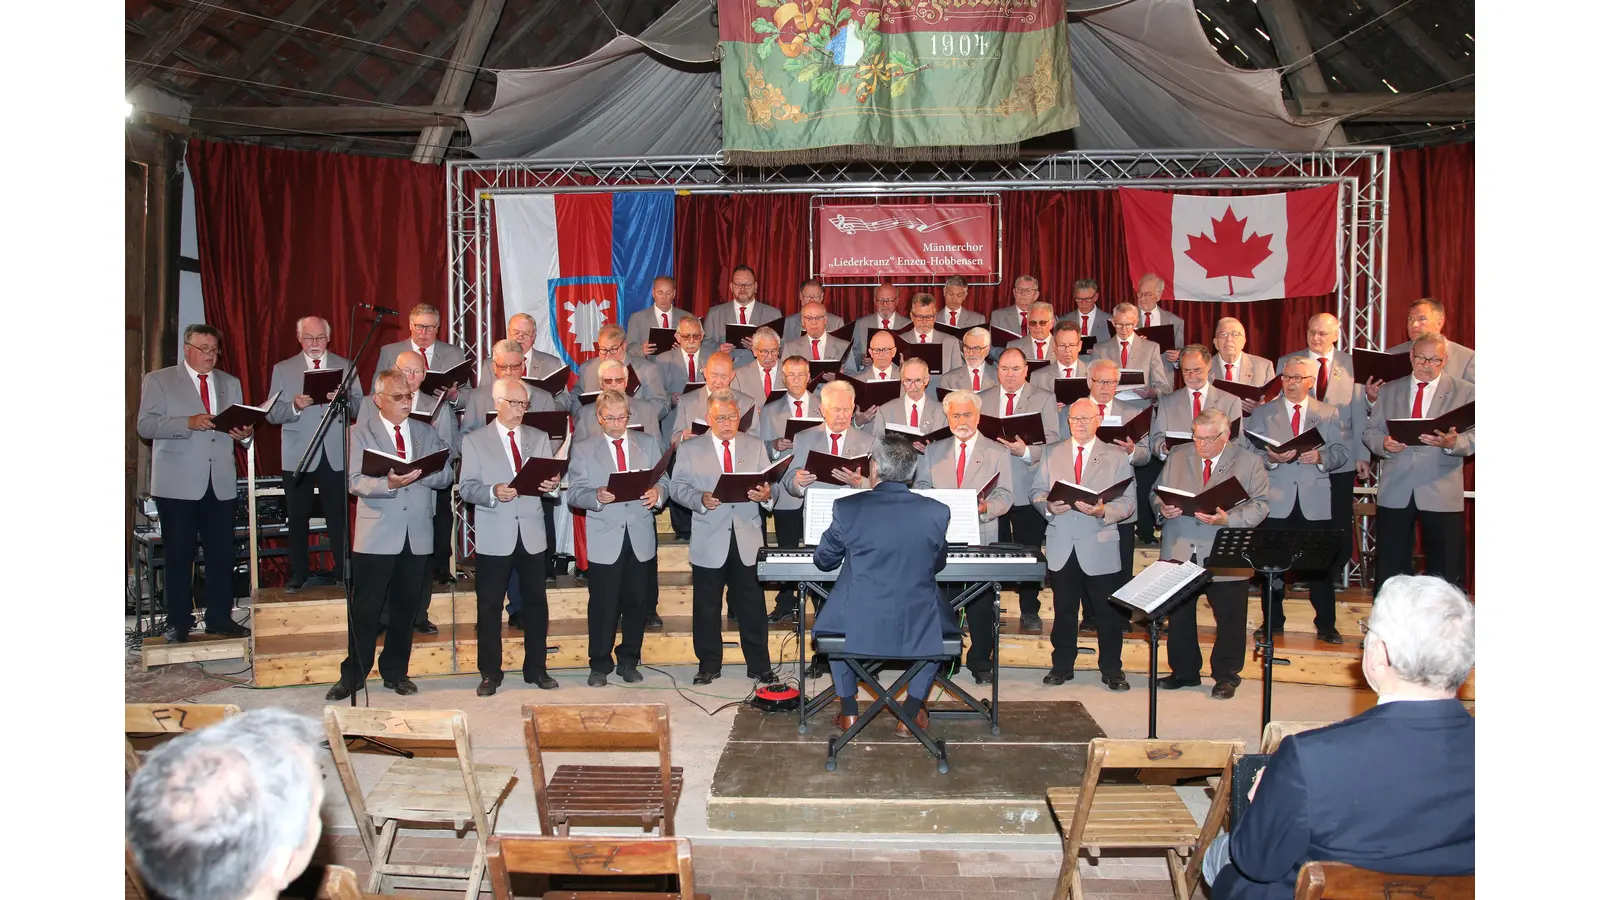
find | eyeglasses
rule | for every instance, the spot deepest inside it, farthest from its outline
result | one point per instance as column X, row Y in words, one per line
column 1148, row 295
column 1428, row 360
column 1063, row 345
column 423, row 328
column 615, row 420
column 1200, row 438
column 1230, row 334
column 315, row 338
column 205, row 351
column 744, row 284
column 980, row 347
column 611, row 349
column 401, row 398
column 1298, row 377
column 691, row 335
column 1188, row 371
column 1040, row 322
column 731, row 417
column 1082, row 420
column 914, row 382
column 1103, row 381
column 821, row 318
column 514, row 404
column 922, row 317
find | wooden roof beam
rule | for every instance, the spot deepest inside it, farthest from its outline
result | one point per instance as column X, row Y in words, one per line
column 1342, row 58
column 1245, row 39
column 342, row 61
column 1441, row 106
column 260, row 50
column 1419, row 41
column 457, row 81
column 513, row 41
column 170, row 34
column 397, row 88
column 234, row 121
column 1291, row 45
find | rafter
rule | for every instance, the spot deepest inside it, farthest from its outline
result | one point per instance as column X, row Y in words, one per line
column 261, row 49
column 1342, row 58
column 170, row 34
column 395, row 91
column 1243, row 38
column 1291, row 45
column 1418, row 40
column 457, row 80
column 1442, row 106
column 341, row 62
column 233, row 121
column 522, row 29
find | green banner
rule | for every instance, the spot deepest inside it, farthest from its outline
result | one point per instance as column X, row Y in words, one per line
column 900, row 80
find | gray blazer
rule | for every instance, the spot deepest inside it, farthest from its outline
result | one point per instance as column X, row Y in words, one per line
column 1296, row 480
column 1252, row 370
column 937, row 469
column 831, row 347
column 862, row 336
column 1185, row 535
column 1341, row 394
column 388, row 521
column 1431, row 474
column 1167, row 318
column 640, row 323
column 952, row 347
column 1099, row 322
column 959, row 377
column 1045, row 378
column 593, row 461
column 719, row 317
column 857, row 442
column 443, row 423
column 652, row 390
column 441, row 356
column 484, row 464
column 674, row 374
column 1093, row 539
column 793, row 329
column 288, row 377
column 748, row 379
column 1029, row 400
column 1013, row 320
column 1458, row 364
column 584, row 423
column 1028, row 346
column 1144, row 356
column 964, row 319
column 930, row 419
column 774, row 419
column 480, row 402
column 537, row 363
column 183, row 462
column 693, row 406
column 1175, row 413
column 695, row 471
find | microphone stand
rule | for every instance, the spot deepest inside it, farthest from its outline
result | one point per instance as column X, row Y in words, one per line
column 339, row 407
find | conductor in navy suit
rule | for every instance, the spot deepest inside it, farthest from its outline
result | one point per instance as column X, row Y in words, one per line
column 890, row 542
column 1389, row 790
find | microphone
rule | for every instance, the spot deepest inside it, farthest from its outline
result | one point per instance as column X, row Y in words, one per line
column 380, row 310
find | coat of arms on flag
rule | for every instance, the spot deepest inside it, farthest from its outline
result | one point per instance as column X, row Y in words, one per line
column 578, row 262
column 1231, row 249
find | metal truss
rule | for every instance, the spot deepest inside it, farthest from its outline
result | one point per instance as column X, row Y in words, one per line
column 1361, row 172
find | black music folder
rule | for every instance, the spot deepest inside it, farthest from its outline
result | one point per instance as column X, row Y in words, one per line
column 821, row 367
column 1224, row 495
column 1380, row 365
column 1410, row 431
column 632, row 484
column 1066, row 492
column 664, row 339
column 319, row 383
column 1026, row 427
column 458, row 374
column 734, row 487
column 736, row 333
column 1265, row 393
column 551, row 384
column 1035, row 365
column 874, row 393
column 238, row 415
column 798, row 424
column 956, row 331
column 931, row 353
column 535, row 471
column 1164, row 335
column 1309, row 439
column 376, row 463
column 425, row 406
column 1000, row 337
column 1134, row 428
column 845, row 332
column 1071, row 390
column 1174, row 438
column 822, row 465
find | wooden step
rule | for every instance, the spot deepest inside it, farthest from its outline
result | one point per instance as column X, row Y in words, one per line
column 315, row 658
column 155, row 651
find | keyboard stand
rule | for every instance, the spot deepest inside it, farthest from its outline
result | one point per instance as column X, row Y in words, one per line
column 981, row 709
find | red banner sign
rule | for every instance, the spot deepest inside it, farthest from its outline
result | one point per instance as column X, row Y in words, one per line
column 896, row 240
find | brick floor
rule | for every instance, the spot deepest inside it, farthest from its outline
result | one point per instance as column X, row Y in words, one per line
column 731, row 872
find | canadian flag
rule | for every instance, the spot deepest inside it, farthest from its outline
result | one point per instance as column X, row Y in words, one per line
column 1232, row 249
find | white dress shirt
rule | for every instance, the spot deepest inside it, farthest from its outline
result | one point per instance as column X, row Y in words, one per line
column 805, row 404
column 505, row 445
column 1070, row 371
column 211, row 387
column 921, row 407
column 1429, row 389
column 405, row 434
column 878, row 374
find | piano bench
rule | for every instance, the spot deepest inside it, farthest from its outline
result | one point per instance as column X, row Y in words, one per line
column 833, row 647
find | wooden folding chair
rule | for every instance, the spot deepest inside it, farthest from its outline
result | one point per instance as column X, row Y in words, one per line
column 432, row 791
column 619, row 856
column 1339, row 881
column 648, row 794
column 1141, row 816
column 167, row 718
column 1275, row 732
column 339, row 883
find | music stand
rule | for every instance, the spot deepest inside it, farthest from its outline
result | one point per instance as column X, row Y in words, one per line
column 1272, row 553
column 1152, row 625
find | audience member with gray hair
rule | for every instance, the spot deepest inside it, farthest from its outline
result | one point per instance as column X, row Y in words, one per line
column 229, row 812
column 1390, row 789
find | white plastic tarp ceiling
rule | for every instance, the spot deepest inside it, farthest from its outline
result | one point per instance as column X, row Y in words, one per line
column 1144, row 73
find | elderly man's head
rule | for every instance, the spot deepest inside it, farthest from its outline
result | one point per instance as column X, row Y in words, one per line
column 814, row 320
column 924, row 312
column 393, row 393
column 1103, row 378
column 510, row 400
column 1420, row 638
column 1210, row 433
column 886, row 300
column 914, row 378
column 424, row 325
column 312, row 332
column 1011, row 370
column 1124, row 319
column 410, row 365
column 663, row 292
column 961, row 411
column 1024, row 291
column 1194, row 367
column 690, row 334
column 722, row 410
column 611, row 343
column 230, row 811
column 1083, row 419
column 894, row 458
column 522, row 329
column 881, row 348
column 1040, row 319
column 1426, row 316
column 766, row 346
column 1149, row 292
column 838, row 405
column 611, row 409
column 1229, row 338
column 508, row 357
column 1299, row 377
column 1322, row 332
column 719, row 371
column 796, row 376
column 1068, row 342
column 955, row 292
column 613, row 375
column 975, row 346
column 1086, row 295
column 1429, row 353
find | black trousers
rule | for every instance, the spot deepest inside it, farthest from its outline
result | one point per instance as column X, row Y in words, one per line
column 443, row 525
column 1444, row 543
column 790, row 527
column 1144, row 480
column 380, row 582
column 1072, row 588
column 494, row 572
column 297, row 494
column 1229, row 600
column 1321, row 582
column 514, row 587
column 1343, row 485
column 681, row 518
column 1023, row 525
column 744, row 598
column 980, row 626
column 1125, row 549
column 617, row 594
column 186, row 527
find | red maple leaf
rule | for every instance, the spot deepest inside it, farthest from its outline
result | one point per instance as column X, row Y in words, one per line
column 1231, row 253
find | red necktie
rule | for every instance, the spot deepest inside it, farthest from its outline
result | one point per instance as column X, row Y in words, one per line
column 399, row 443
column 798, row 412
column 1038, row 351
column 424, row 354
column 961, row 465
column 886, row 324
column 952, row 317
column 1206, row 478
column 316, row 364
column 664, row 321
column 1294, row 421
column 525, row 367
column 1197, row 404
column 1077, row 468
column 1322, row 377
column 1084, row 329
column 1227, row 371
column 516, row 454
column 914, row 416
column 835, row 444
column 977, row 382
column 924, row 339
column 205, row 394
column 1124, row 354
column 815, row 353
column 1067, row 372
column 1102, row 410
column 622, row 459
column 766, row 376
column 1010, row 398
column 1416, row 405
column 727, row 457
column 882, row 375
column 691, row 367
column 742, row 320
column 1147, row 319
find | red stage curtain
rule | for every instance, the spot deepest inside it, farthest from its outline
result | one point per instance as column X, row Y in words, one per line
column 285, row 234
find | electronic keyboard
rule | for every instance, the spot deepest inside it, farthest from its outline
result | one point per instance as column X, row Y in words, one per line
column 1006, row 564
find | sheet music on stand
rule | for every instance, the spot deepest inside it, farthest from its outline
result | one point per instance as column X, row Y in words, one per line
column 963, row 529
column 1160, row 581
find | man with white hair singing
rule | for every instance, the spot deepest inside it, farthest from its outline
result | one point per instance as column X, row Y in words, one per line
column 1390, row 789
column 229, row 812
